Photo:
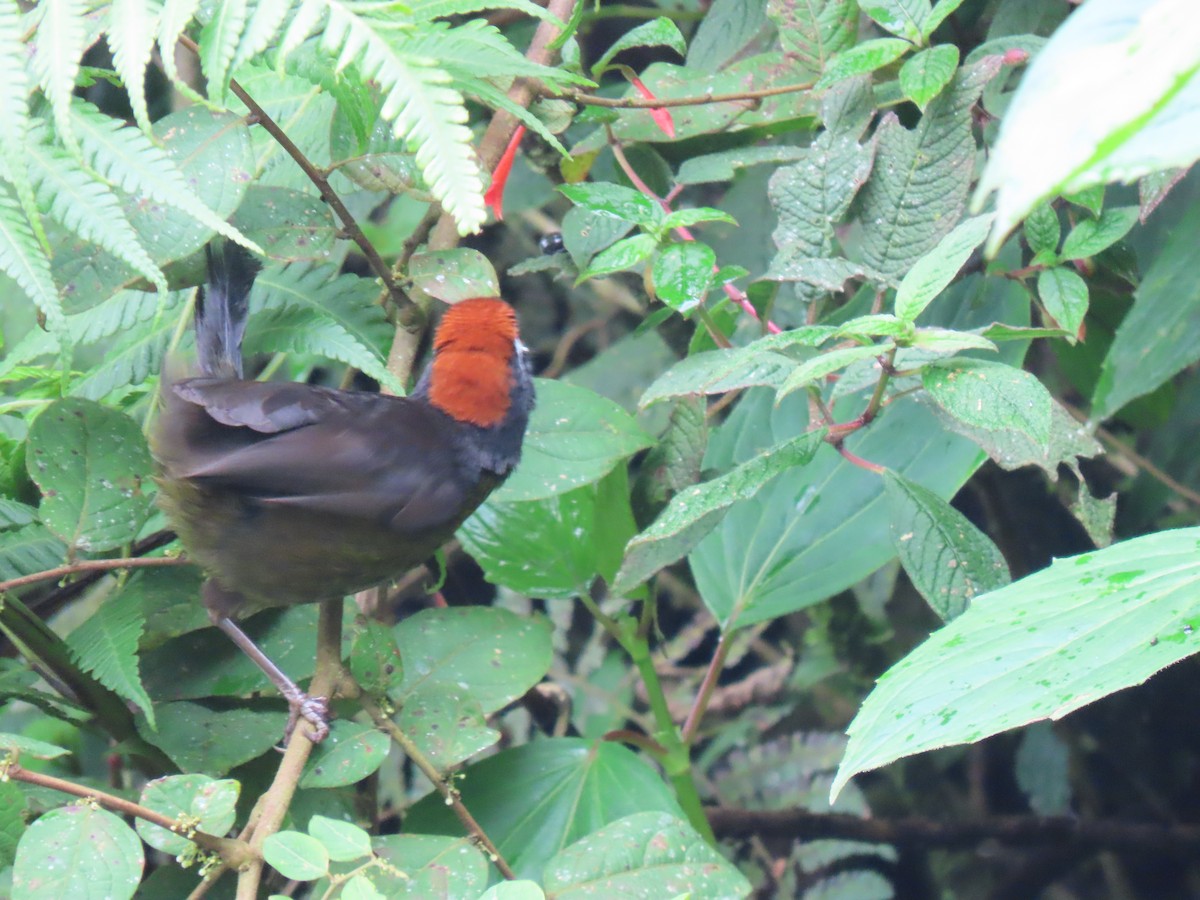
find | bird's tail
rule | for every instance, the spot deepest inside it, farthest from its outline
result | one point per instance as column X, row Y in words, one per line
column 222, row 308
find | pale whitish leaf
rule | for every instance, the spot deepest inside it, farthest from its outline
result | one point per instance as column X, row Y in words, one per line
column 24, row 260
column 14, row 114
column 89, row 208
column 948, row 560
column 657, row 32
column 862, row 59
column 991, row 395
column 925, row 75
column 1065, row 295
column 696, row 510
column 918, row 188
column 132, row 27
column 718, row 371
column 1114, row 94
column 58, row 49
column 933, row 272
column 219, row 41
column 266, row 18
column 175, row 16
column 826, row 364
column 905, row 18
column 1040, row 648
column 127, row 157
column 106, row 645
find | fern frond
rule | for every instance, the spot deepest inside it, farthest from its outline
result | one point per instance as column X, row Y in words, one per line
column 89, row 208
column 498, row 99
column 219, row 42
column 265, row 21
column 14, row 113
column 131, row 30
column 174, row 18
column 58, row 45
column 476, row 50
column 127, row 158
column 139, row 352
column 26, row 262
column 428, row 10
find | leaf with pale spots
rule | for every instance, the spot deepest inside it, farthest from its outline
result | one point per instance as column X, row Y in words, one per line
column 992, row 396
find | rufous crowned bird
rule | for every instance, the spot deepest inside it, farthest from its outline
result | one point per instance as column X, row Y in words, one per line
column 292, row 493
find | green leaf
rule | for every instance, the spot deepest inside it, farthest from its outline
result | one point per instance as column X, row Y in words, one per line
column 918, row 189
column 1042, row 770
column 537, row 798
column 660, row 855
column 586, row 232
column 905, row 18
column 933, row 272
column 198, row 737
column 295, row 855
column 695, row 511
column 948, row 559
column 453, row 275
column 683, row 273
column 343, row 841
column 926, row 74
column 826, row 364
column 1136, row 114
column 447, row 725
column 941, row 10
column 992, row 396
column 862, row 59
column 194, row 801
column 33, row 548
column 724, row 165
column 875, row 325
column 812, row 33
column 1160, row 335
column 660, row 32
column 1040, row 648
column 1091, row 236
column 12, row 821
column 616, row 201
column 105, row 857
column 106, row 645
column 1042, row 230
column 718, row 371
column 686, row 218
column 19, row 745
column 575, row 437
column 351, row 752
column 91, row 463
column 554, row 547
column 423, row 865
column 1064, row 294
column 375, row 660
column 624, row 254
column 290, row 225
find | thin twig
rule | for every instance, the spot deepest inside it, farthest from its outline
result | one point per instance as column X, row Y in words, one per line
column 93, row 565
column 659, row 102
column 704, row 695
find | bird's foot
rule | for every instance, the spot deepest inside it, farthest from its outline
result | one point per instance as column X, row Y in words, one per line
column 314, row 711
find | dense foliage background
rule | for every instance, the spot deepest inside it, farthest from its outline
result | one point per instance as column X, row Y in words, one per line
column 867, row 334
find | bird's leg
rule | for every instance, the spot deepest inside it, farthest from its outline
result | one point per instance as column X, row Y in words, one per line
column 315, row 710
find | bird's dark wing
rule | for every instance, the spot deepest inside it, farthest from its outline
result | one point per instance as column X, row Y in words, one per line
column 284, row 445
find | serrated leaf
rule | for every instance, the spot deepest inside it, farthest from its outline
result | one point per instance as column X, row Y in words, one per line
column 106, row 645
column 862, row 59
column 686, row 218
column 131, row 32
column 718, row 371
column 1064, row 294
column 826, row 364
column 813, row 33
column 992, row 396
column 933, row 272
column 695, row 511
column 1055, row 641
column 948, row 559
column 926, row 74
column 59, row 44
column 903, row 17
column 33, row 548
column 1091, row 236
column 615, row 201
column 682, row 274
column 624, row 254
column 1042, row 229
column 24, row 260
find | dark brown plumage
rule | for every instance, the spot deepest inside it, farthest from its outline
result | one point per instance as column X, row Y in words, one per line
column 292, row 493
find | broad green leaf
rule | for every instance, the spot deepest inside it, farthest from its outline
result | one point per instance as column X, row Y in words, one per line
column 106, row 645
column 538, row 798
column 1160, row 335
column 1040, row 648
column 81, row 852
column 557, row 546
column 903, row 17
column 1064, row 294
column 659, row 855
column 926, row 74
column 453, row 275
column 375, row 660
column 695, row 511
column 1091, row 236
column 198, row 737
column 933, row 272
column 1136, row 112
column 290, row 225
column 683, row 273
column 425, row 865
column 93, row 467
column 918, row 188
column 948, row 559
column 723, row 31
column 718, row 371
column 586, row 232
column 343, row 841
column 724, row 165
column 862, row 59
column 351, row 752
column 1042, row 229
column 624, row 254
column 992, row 396
column 827, row 363
column 660, row 32
column 514, row 890
column 575, row 437
column 194, row 801
column 295, row 855
column 813, row 33
column 615, row 201
column 447, row 725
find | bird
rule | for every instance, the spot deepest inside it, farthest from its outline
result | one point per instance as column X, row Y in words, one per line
column 288, row 493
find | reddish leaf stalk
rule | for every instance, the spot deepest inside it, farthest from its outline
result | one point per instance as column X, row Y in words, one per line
column 494, row 198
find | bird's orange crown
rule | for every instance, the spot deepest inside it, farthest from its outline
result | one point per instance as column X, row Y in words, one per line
column 471, row 378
